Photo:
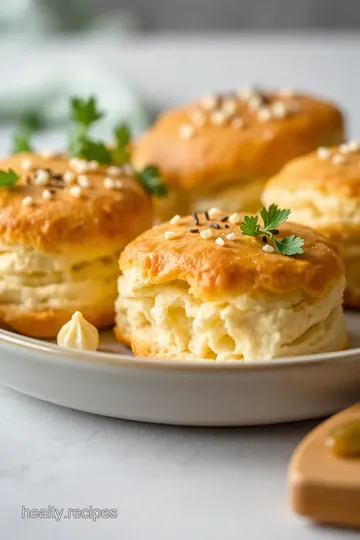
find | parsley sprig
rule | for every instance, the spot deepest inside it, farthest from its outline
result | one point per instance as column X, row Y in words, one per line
column 8, row 178
column 85, row 113
column 272, row 218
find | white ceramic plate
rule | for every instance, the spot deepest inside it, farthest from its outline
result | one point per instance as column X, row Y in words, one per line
column 193, row 393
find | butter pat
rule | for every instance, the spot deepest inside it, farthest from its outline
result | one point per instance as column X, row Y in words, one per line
column 78, row 333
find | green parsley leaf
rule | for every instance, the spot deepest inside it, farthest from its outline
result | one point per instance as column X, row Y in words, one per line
column 85, row 112
column 95, row 151
column 8, row 178
column 152, row 181
column 21, row 140
column 290, row 245
column 273, row 217
column 122, row 134
column 250, row 226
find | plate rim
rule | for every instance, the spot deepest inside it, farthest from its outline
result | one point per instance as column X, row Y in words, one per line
column 126, row 360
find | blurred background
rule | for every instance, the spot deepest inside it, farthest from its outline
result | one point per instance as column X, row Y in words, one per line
column 140, row 56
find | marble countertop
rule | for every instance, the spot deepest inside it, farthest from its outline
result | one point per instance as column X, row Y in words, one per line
column 167, row 483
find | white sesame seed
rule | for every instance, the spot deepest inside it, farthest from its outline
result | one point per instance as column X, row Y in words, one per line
column 323, row 152
column 255, row 103
column 73, row 162
column 353, row 146
column 235, row 218
column 217, row 118
column 286, row 92
column 48, row 154
column 68, row 177
column 83, row 181
column 237, row 123
column 79, row 165
column 175, row 220
column 219, row 241
column 268, row 249
column 93, row 165
column 41, row 178
column 186, row 131
column 168, row 235
column 46, row 194
column 206, row 234
column 27, row 201
column 119, row 184
column 198, row 118
column 213, row 212
column 75, row 191
column 208, row 102
column 26, row 164
column 245, row 93
column 338, row 159
column 264, row 115
column 344, row 149
column 229, row 107
column 231, row 236
column 128, row 169
column 109, row 183
column 278, row 109
column 114, row 171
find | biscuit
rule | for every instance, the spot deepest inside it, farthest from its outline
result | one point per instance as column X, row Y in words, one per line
column 62, row 228
column 220, row 150
column 219, row 296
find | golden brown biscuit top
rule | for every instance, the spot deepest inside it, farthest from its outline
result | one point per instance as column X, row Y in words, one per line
column 62, row 204
column 234, row 137
column 239, row 265
column 334, row 171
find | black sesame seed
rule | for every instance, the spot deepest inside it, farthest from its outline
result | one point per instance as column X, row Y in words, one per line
column 226, row 226
column 194, row 230
column 57, row 177
column 275, row 231
column 28, row 179
column 206, row 216
column 195, row 218
column 225, row 218
column 215, row 225
column 264, row 239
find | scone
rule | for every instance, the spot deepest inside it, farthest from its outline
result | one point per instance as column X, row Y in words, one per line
column 323, row 191
column 203, row 290
column 220, row 150
column 63, row 225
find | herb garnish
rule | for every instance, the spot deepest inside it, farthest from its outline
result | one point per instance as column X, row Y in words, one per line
column 152, row 181
column 8, row 178
column 272, row 218
column 121, row 152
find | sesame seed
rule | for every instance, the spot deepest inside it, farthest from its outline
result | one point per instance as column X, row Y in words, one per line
column 168, row 235
column 46, row 194
column 186, row 131
column 255, row 103
column 226, row 226
column 114, row 171
column 48, row 154
column 215, row 225
column 93, row 165
column 217, row 118
column 175, row 220
column 194, row 230
column 109, row 183
column 213, row 212
column 208, row 102
column 83, row 181
column 354, row 146
column 198, row 118
column 245, row 93
column 128, row 169
column 219, row 241
column 229, row 107
column 237, row 123
column 195, row 218
column 206, row 234
column 235, row 218
column 41, row 177
column 279, row 109
column 223, row 219
column 119, row 184
column 68, row 177
column 264, row 115
column 27, row 201
column 344, row 149
column 231, row 236
column 286, row 92
column 26, row 164
column 323, row 152
column 268, row 249
column 264, row 239
column 79, row 165
column 338, row 159
column 75, row 191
